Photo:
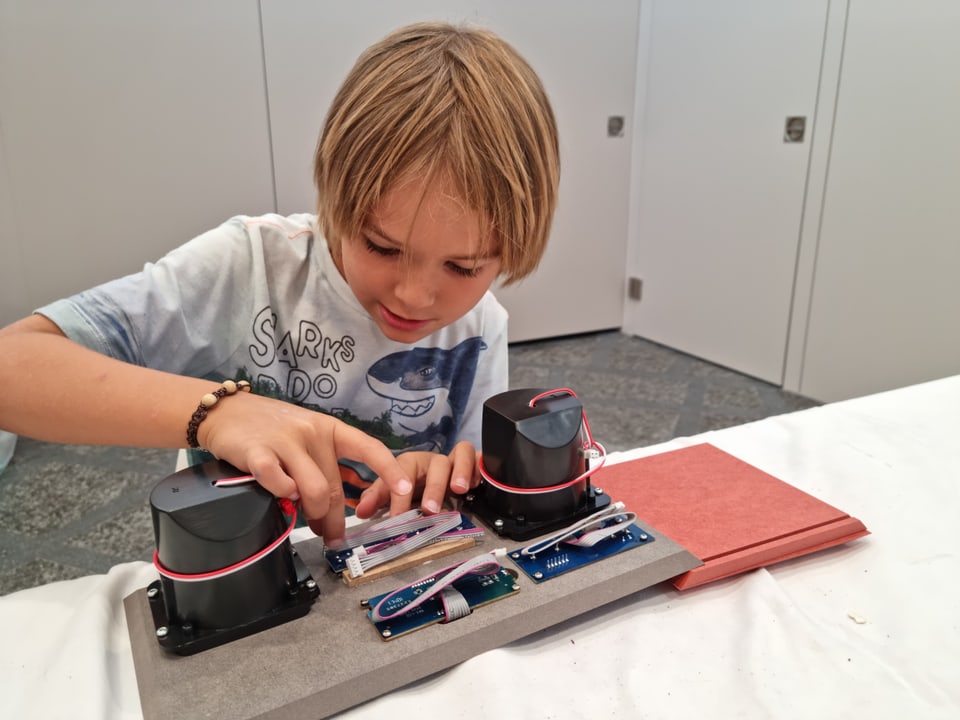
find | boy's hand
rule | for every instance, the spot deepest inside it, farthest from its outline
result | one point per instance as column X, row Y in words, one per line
column 293, row 452
column 433, row 472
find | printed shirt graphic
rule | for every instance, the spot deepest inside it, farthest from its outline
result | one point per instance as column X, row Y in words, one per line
column 260, row 299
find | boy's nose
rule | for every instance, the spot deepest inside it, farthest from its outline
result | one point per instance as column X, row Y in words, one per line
column 414, row 289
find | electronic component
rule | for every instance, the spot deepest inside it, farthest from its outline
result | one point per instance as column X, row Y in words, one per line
column 444, row 596
column 604, row 533
column 536, row 463
column 378, row 543
column 226, row 565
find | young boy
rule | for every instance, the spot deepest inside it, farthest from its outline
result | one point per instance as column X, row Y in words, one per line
column 363, row 331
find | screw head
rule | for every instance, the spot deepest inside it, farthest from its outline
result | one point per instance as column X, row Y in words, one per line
column 152, row 592
column 311, row 584
column 162, row 632
column 386, row 633
column 498, row 524
column 538, row 575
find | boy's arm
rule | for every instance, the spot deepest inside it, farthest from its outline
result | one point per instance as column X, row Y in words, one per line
column 59, row 391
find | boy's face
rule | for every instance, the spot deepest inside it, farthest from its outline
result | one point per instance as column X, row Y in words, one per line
column 417, row 265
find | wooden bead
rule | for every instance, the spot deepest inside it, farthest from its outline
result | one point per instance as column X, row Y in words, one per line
column 227, row 387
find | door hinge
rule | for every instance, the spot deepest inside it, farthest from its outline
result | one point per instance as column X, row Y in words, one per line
column 634, row 288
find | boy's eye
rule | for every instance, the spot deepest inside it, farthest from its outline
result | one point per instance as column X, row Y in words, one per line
column 464, row 271
column 380, row 249
column 392, row 252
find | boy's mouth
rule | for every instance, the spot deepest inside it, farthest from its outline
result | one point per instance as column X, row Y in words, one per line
column 399, row 322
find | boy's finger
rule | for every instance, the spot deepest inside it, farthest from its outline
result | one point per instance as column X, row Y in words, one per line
column 463, row 473
column 372, row 499
column 357, row 445
column 268, row 472
column 334, row 522
column 312, row 486
column 435, row 487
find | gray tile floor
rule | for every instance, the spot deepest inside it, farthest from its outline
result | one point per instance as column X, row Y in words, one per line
column 68, row 511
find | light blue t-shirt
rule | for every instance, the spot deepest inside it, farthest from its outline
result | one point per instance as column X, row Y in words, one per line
column 260, row 299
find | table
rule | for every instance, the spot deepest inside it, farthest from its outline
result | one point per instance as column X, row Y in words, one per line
column 868, row 629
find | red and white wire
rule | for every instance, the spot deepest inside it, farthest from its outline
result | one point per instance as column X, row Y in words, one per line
column 289, row 508
column 590, row 444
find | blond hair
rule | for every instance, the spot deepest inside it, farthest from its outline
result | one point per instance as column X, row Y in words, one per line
column 437, row 98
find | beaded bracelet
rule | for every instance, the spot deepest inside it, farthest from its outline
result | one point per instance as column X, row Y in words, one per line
column 229, row 387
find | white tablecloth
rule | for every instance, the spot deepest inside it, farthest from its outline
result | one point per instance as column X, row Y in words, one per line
column 869, row 629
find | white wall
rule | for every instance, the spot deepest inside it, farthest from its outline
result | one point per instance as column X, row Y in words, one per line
column 130, row 126
column 127, row 128
column 13, row 296
column 586, row 58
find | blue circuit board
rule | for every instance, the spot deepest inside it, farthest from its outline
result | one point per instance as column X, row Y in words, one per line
column 338, row 559
column 561, row 558
column 477, row 590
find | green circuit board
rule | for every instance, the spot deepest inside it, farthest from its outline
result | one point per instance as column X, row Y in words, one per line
column 477, row 590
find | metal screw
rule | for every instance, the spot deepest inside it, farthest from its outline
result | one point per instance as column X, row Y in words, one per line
column 515, row 556
column 152, row 593
column 469, row 497
column 162, row 632
column 311, row 584
column 538, row 575
column 598, row 491
column 644, row 536
column 514, row 587
column 386, row 633
column 498, row 524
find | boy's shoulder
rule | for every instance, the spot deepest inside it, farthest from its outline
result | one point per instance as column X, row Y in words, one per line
column 289, row 226
column 488, row 318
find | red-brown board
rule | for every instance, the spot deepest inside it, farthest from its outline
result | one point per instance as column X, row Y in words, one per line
column 730, row 514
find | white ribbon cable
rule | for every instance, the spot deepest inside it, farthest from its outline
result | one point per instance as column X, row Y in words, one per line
column 442, row 523
column 592, row 537
column 485, row 564
column 455, row 605
column 599, row 516
column 408, row 522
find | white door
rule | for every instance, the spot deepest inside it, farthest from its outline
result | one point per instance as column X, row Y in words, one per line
column 586, row 56
column 717, row 193
column 886, row 299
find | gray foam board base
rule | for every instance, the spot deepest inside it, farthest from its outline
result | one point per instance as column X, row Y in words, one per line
column 333, row 658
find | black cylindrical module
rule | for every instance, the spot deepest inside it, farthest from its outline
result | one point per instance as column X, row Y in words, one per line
column 533, row 447
column 200, row 528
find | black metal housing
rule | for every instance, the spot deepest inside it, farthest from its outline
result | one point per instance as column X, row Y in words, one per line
column 199, row 528
column 532, row 448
